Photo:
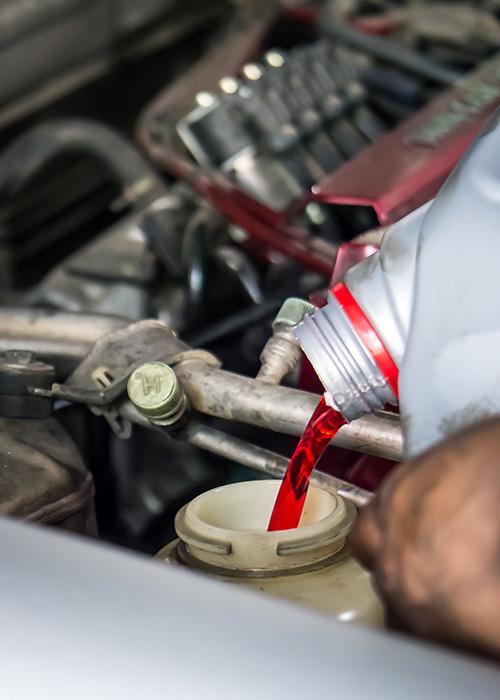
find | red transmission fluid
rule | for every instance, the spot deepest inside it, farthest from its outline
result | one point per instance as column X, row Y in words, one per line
column 324, row 424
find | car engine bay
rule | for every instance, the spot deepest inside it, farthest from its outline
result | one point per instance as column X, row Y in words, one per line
column 170, row 174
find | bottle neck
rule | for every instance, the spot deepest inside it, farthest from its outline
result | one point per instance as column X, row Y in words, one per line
column 348, row 355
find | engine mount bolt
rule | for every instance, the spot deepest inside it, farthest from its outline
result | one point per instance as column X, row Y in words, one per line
column 155, row 391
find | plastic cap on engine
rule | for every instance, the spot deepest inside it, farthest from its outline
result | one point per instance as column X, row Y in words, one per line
column 293, row 311
column 155, row 391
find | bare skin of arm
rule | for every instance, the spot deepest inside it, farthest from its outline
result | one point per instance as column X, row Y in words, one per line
column 431, row 537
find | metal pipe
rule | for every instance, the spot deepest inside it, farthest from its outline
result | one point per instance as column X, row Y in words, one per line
column 62, row 339
column 268, row 462
column 44, row 324
column 233, row 397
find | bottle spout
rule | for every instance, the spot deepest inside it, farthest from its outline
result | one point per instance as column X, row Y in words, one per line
column 347, row 359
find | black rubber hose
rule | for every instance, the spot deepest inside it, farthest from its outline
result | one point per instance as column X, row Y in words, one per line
column 194, row 258
column 38, row 146
column 387, row 50
column 234, row 324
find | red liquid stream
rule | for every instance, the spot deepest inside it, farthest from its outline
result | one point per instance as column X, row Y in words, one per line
column 324, row 424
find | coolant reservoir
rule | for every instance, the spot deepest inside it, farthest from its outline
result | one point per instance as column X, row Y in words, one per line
column 224, row 533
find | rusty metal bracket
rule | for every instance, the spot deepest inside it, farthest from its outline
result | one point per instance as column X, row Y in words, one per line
column 101, row 378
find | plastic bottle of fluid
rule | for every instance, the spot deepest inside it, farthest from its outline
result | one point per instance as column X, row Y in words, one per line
column 419, row 321
column 224, row 533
